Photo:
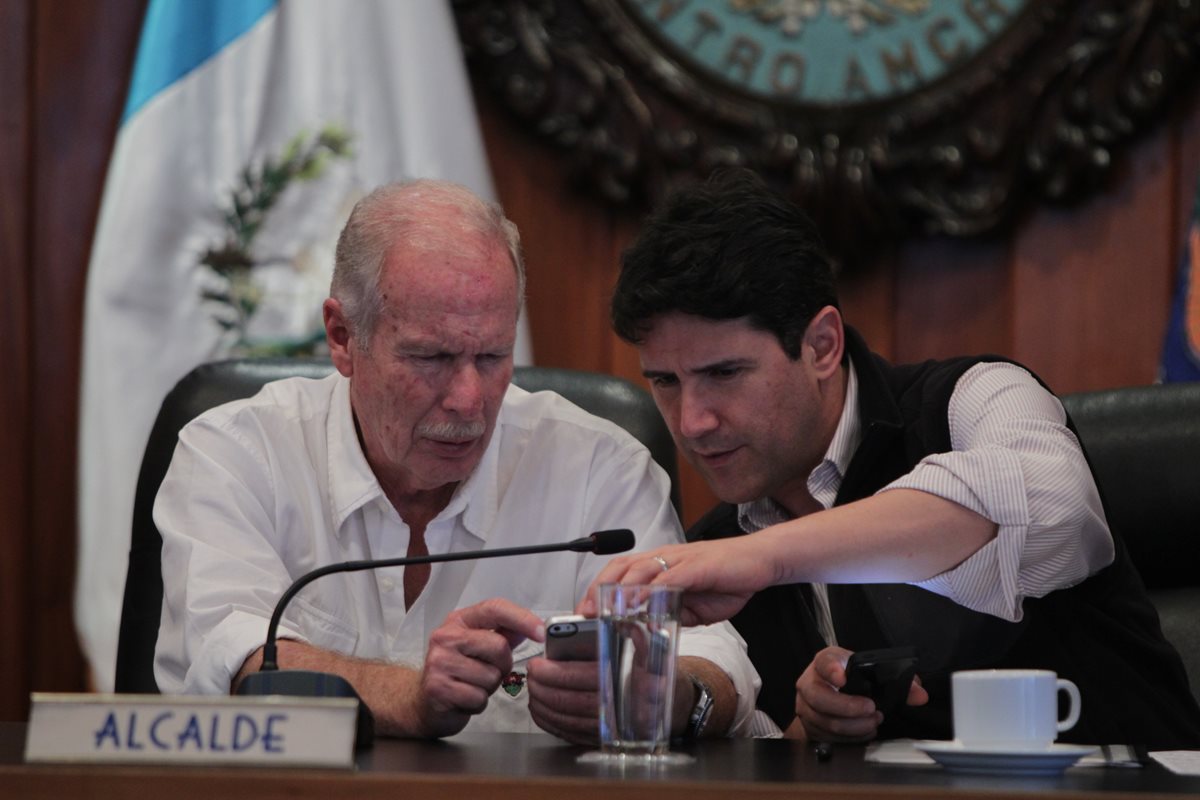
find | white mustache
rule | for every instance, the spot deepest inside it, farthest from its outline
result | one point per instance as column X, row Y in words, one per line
column 452, row 431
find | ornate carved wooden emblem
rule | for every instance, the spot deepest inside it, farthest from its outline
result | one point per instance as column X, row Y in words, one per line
column 884, row 118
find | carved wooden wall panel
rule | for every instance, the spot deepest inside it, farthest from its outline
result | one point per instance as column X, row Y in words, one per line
column 951, row 119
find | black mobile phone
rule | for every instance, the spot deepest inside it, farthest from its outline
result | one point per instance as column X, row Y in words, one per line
column 571, row 637
column 882, row 675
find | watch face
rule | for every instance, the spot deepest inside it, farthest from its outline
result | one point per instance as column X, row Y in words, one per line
column 701, row 709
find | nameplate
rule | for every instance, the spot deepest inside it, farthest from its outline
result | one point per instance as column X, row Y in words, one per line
column 144, row 728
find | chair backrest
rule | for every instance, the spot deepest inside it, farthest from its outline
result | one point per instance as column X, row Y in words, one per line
column 212, row 384
column 1143, row 443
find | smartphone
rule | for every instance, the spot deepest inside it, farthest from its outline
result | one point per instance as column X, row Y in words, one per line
column 571, row 637
column 882, row 675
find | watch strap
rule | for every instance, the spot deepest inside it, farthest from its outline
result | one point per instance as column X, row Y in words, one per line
column 701, row 709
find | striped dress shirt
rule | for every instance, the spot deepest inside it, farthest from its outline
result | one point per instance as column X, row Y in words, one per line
column 1013, row 461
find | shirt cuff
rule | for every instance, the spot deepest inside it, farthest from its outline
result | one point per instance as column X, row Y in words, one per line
column 225, row 649
column 989, row 580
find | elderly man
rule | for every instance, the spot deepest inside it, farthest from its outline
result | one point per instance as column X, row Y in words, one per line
column 944, row 505
column 417, row 444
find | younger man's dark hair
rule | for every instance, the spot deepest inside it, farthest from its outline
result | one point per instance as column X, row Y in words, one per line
column 725, row 249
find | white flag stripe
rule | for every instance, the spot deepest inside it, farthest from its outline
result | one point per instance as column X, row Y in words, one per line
column 390, row 74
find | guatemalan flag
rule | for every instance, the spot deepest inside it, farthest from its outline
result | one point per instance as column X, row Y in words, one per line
column 250, row 130
column 1181, row 351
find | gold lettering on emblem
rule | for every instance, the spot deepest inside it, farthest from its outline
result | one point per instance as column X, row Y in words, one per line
column 787, row 74
column 981, row 11
column 743, row 54
column 669, row 8
column 856, row 85
column 902, row 68
column 936, row 36
column 708, row 24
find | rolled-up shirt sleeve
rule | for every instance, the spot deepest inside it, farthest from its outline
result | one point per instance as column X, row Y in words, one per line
column 1015, row 462
column 219, row 588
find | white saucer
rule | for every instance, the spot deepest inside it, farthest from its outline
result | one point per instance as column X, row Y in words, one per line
column 957, row 757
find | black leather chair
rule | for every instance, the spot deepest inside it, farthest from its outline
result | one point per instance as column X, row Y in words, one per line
column 1143, row 443
column 211, row 384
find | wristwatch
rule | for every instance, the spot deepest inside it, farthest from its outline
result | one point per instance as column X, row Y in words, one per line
column 701, row 709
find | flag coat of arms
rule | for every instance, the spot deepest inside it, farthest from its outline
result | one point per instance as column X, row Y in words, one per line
column 1181, row 350
column 251, row 128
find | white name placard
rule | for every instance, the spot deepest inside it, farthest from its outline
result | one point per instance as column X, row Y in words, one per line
column 136, row 728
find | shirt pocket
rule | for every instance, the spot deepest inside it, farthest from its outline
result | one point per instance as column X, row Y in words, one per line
column 513, row 693
column 526, row 650
column 324, row 629
column 508, row 708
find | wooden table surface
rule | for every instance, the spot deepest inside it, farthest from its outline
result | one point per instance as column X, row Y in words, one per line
column 529, row 767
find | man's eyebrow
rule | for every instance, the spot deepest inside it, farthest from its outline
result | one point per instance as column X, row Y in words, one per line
column 729, row 363
column 419, row 348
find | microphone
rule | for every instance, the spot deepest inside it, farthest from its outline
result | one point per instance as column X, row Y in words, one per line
column 306, row 683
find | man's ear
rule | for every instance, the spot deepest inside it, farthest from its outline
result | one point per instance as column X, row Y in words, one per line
column 337, row 334
column 827, row 341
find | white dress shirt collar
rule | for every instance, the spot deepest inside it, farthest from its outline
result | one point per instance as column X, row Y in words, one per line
column 826, row 478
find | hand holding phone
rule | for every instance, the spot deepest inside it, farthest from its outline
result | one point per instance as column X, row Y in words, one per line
column 883, row 675
column 571, row 637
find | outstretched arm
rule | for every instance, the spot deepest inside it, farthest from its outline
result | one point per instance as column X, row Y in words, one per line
column 897, row 536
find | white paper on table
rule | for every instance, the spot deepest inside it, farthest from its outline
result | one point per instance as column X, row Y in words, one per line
column 896, row 751
column 1181, row 762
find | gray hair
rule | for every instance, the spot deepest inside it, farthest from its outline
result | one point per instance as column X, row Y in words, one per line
column 398, row 212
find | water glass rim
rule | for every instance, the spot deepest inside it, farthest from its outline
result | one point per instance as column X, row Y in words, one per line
column 658, row 598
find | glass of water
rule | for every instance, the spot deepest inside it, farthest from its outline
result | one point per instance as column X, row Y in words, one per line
column 638, row 637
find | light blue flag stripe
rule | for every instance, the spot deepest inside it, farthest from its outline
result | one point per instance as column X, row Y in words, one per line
column 180, row 35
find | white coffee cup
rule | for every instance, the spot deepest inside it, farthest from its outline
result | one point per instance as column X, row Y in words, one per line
column 1010, row 709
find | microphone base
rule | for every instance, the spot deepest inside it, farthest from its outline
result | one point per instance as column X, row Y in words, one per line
column 305, row 683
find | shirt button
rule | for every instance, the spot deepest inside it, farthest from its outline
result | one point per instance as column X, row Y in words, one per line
column 387, row 584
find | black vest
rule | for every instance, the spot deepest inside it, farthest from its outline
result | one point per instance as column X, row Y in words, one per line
column 1103, row 634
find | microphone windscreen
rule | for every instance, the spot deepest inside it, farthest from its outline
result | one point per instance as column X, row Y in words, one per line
column 615, row 541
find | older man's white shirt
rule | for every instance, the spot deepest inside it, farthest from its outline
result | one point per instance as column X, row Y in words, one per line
column 261, row 491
